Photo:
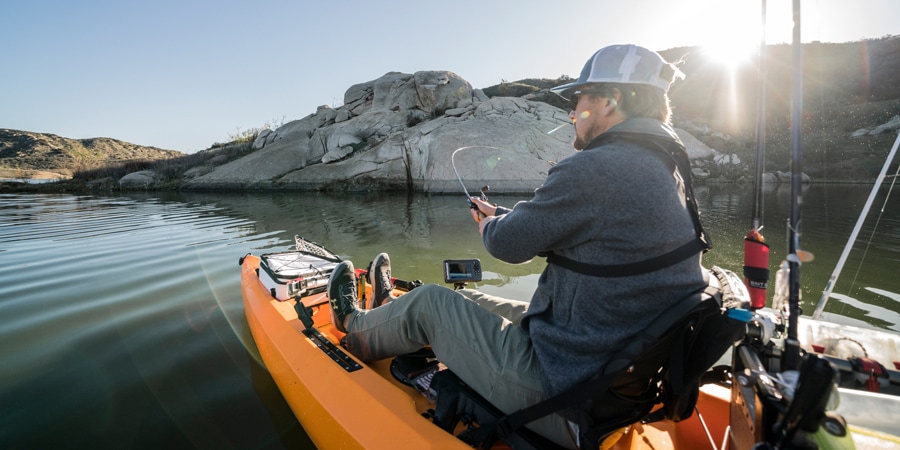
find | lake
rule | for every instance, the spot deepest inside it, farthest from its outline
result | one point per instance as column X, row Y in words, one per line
column 122, row 320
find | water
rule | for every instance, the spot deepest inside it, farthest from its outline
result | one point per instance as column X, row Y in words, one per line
column 121, row 322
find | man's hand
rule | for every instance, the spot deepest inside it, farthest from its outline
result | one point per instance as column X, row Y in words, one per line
column 481, row 211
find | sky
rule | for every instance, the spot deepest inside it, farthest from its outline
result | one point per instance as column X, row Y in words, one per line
column 182, row 75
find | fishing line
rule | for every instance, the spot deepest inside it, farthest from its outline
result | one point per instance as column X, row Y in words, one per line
column 859, row 223
column 874, row 228
column 458, row 178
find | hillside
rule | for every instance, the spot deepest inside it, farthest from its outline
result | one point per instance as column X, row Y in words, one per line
column 846, row 87
column 25, row 154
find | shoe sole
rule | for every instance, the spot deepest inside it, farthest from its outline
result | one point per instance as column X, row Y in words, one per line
column 335, row 320
column 373, row 272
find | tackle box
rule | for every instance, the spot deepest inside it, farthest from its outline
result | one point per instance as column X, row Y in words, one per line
column 294, row 274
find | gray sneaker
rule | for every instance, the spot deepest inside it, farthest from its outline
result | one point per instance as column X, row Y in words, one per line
column 380, row 279
column 342, row 294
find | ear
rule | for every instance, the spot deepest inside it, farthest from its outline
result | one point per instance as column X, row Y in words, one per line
column 612, row 102
column 616, row 97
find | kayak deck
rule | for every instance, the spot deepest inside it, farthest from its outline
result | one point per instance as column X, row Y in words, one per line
column 359, row 405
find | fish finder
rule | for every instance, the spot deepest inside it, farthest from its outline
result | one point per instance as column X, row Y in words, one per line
column 459, row 271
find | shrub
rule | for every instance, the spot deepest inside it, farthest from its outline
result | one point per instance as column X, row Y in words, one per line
column 251, row 134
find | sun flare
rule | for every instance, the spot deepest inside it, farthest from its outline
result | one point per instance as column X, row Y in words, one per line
column 730, row 53
column 732, row 33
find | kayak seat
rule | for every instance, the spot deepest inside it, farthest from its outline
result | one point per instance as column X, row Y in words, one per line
column 458, row 403
column 656, row 376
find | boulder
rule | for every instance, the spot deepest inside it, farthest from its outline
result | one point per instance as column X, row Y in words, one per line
column 217, row 160
column 785, row 177
column 408, row 132
column 695, row 148
column 860, row 133
column 722, row 159
column 260, row 140
column 141, row 179
column 699, row 173
column 195, row 172
column 769, row 178
column 891, row 125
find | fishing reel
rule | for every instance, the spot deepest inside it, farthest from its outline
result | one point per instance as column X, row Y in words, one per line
column 763, row 327
column 483, row 197
column 484, row 190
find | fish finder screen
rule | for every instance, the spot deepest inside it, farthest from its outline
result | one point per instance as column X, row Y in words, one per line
column 457, row 270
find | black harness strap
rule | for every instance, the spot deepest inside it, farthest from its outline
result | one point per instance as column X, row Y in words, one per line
column 675, row 152
column 693, row 247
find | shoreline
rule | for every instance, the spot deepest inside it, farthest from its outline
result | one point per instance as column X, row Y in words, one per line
column 45, row 186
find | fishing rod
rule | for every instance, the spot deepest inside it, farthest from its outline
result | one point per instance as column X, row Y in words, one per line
column 756, row 251
column 791, row 357
column 760, row 120
column 484, row 189
column 794, row 410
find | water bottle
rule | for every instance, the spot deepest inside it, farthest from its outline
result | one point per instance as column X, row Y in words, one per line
column 780, row 298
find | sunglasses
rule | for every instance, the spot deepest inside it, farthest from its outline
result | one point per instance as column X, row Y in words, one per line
column 572, row 102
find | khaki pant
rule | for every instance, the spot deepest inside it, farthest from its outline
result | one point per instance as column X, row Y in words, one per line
column 476, row 335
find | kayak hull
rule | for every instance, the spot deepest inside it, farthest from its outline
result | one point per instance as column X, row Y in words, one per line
column 365, row 408
column 368, row 408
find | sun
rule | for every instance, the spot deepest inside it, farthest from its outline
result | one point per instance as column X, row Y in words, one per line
column 728, row 35
column 731, row 33
column 731, row 53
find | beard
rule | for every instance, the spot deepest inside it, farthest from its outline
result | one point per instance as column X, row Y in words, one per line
column 578, row 144
column 585, row 136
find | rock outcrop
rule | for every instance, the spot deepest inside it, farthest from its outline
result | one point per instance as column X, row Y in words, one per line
column 415, row 133
column 400, row 132
column 890, row 125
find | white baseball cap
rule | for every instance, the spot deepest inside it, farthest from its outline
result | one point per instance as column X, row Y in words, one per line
column 628, row 64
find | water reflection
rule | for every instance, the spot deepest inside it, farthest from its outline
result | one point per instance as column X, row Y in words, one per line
column 418, row 231
column 118, row 327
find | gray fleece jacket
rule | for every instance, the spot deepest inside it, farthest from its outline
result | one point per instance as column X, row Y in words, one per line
column 611, row 204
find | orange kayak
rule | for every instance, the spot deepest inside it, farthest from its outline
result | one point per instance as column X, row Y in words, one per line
column 342, row 402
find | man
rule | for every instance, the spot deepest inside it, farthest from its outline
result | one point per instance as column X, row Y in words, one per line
column 617, row 226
